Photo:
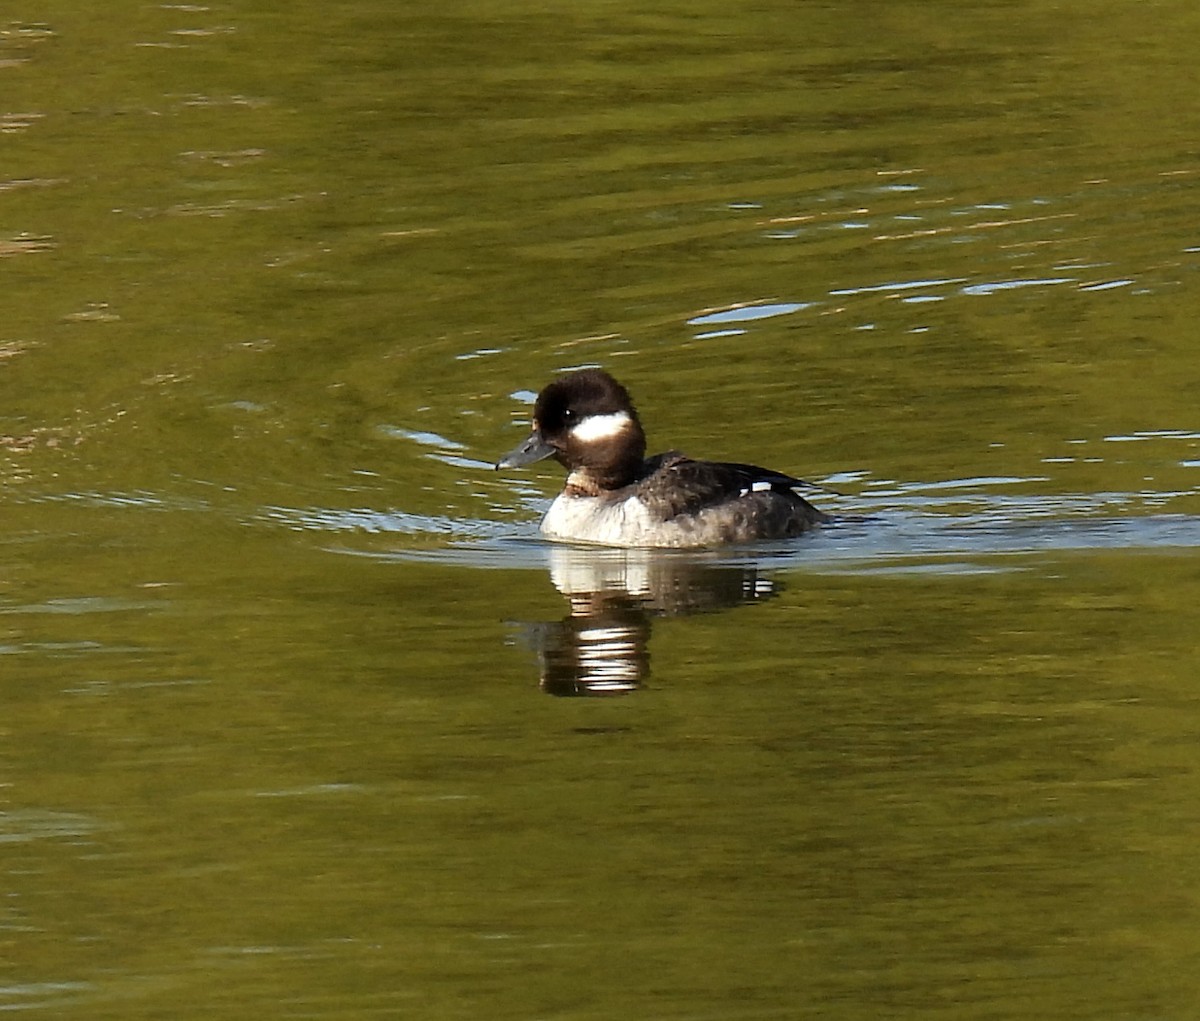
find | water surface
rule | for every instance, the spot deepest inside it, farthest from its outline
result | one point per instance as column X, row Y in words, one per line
column 300, row 717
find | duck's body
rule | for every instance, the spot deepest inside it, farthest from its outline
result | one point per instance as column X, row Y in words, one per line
column 615, row 496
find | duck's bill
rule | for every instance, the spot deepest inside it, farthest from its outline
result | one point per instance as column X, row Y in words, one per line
column 533, row 449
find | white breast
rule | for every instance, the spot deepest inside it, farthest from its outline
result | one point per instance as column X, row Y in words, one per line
column 627, row 523
column 593, row 519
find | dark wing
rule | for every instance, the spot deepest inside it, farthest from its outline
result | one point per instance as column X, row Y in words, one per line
column 777, row 480
column 680, row 485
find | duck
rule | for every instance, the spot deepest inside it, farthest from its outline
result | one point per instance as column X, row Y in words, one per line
column 615, row 495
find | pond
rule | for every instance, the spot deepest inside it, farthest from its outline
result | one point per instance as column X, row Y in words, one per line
column 300, row 715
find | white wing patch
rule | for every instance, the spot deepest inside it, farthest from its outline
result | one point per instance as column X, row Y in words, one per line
column 601, row 427
column 756, row 487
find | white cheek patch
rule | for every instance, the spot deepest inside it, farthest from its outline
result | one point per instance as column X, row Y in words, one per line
column 601, row 427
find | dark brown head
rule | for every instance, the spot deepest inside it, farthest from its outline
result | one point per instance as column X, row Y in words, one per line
column 587, row 422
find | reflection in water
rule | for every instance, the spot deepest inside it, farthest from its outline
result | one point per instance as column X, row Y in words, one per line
column 965, row 526
column 600, row 647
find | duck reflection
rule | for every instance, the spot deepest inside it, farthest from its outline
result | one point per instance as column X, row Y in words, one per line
column 600, row 647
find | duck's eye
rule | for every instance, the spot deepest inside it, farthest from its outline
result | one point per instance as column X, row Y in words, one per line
column 568, row 414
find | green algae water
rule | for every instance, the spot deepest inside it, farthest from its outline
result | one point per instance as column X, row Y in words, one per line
column 299, row 717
